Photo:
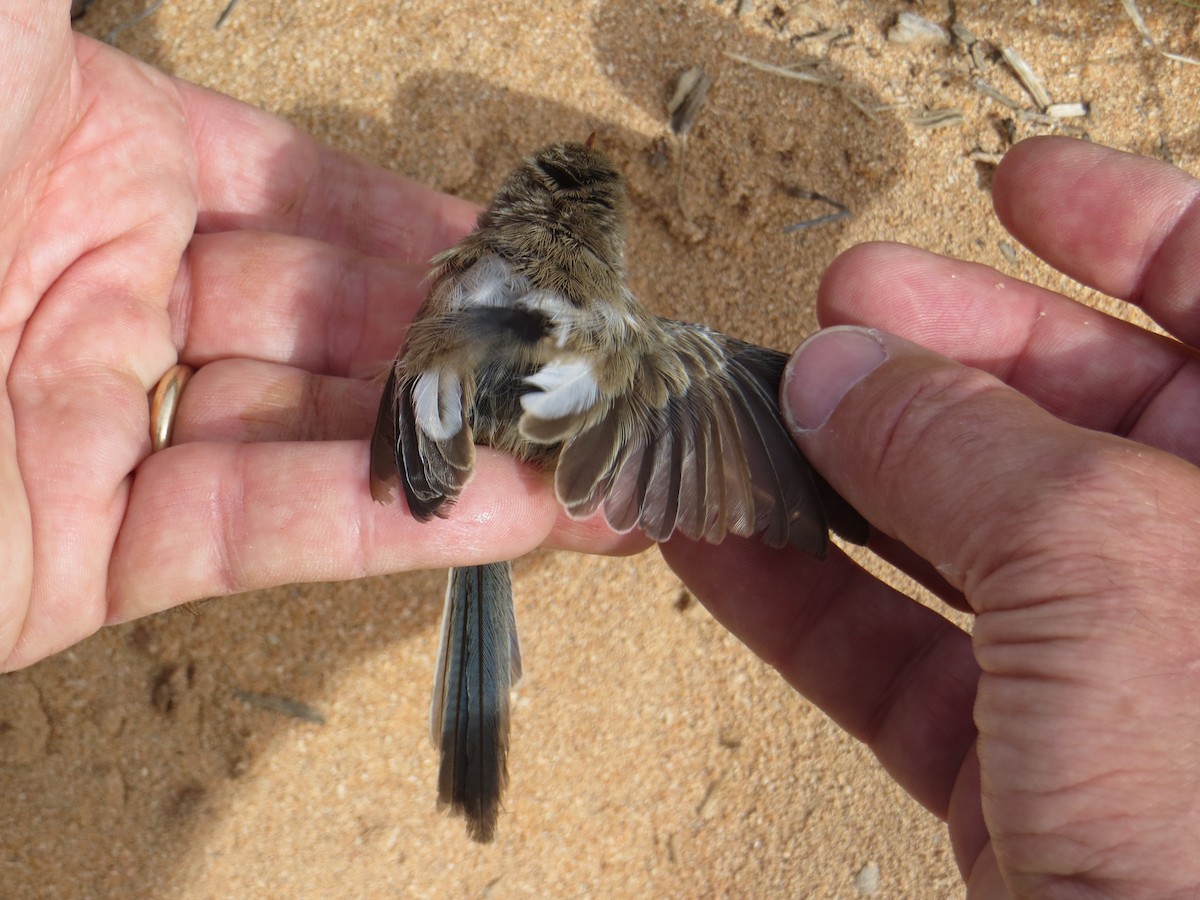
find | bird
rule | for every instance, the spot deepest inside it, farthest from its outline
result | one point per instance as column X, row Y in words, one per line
column 530, row 342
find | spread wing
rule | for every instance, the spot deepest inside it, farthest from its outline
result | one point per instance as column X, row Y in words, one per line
column 696, row 445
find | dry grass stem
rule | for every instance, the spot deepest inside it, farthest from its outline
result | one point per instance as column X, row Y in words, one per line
column 818, row 78
column 1028, row 78
column 1135, row 14
column 988, row 91
column 936, row 118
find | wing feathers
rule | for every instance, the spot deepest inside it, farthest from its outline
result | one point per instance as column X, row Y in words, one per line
column 696, row 446
column 422, row 440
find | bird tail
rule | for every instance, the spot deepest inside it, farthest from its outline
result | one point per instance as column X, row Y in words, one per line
column 479, row 661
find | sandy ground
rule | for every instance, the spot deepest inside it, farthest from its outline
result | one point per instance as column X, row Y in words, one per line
column 652, row 754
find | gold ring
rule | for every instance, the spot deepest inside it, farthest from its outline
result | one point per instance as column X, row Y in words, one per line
column 165, row 403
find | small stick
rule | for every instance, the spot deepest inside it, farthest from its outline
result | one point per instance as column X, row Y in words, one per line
column 225, row 14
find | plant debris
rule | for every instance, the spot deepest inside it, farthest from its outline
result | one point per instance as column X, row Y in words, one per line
column 985, row 157
column 978, row 50
column 988, row 91
column 936, row 118
column 1029, row 79
column 1135, row 14
column 690, row 91
column 284, row 706
column 801, row 71
column 913, row 30
column 841, row 211
column 224, row 14
column 1067, row 110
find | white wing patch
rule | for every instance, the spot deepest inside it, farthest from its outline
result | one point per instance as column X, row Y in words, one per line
column 566, row 388
column 437, row 403
column 489, row 282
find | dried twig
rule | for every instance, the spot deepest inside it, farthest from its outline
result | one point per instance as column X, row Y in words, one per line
column 818, row 78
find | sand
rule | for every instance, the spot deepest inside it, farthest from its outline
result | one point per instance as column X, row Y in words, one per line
column 653, row 755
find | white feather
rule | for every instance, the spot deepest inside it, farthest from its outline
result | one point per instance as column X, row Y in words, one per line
column 567, row 388
column 437, row 403
column 490, row 282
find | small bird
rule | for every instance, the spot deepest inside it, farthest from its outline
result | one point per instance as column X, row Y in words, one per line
column 530, row 342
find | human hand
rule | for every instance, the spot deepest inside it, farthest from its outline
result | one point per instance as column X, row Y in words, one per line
column 145, row 221
column 1046, row 481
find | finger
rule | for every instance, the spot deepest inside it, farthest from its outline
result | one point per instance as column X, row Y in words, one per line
column 257, row 172
column 893, row 673
column 1081, row 365
column 213, row 519
column 968, row 473
column 246, row 401
column 292, row 300
column 1126, row 225
column 1063, row 540
column 918, row 569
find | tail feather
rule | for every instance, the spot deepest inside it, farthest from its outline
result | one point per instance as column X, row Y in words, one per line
column 478, row 663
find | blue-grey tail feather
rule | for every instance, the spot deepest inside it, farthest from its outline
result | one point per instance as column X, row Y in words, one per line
column 479, row 661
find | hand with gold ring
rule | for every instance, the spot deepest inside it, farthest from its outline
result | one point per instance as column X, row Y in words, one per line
column 147, row 223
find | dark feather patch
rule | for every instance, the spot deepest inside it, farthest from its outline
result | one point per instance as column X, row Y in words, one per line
column 479, row 663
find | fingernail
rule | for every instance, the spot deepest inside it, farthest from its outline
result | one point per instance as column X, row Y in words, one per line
column 824, row 368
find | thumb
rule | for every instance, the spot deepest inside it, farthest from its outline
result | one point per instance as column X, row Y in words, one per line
column 1008, row 502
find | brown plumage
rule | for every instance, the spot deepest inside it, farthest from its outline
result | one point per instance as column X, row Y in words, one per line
column 530, row 342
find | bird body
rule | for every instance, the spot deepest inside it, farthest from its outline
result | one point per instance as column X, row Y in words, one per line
column 530, row 342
